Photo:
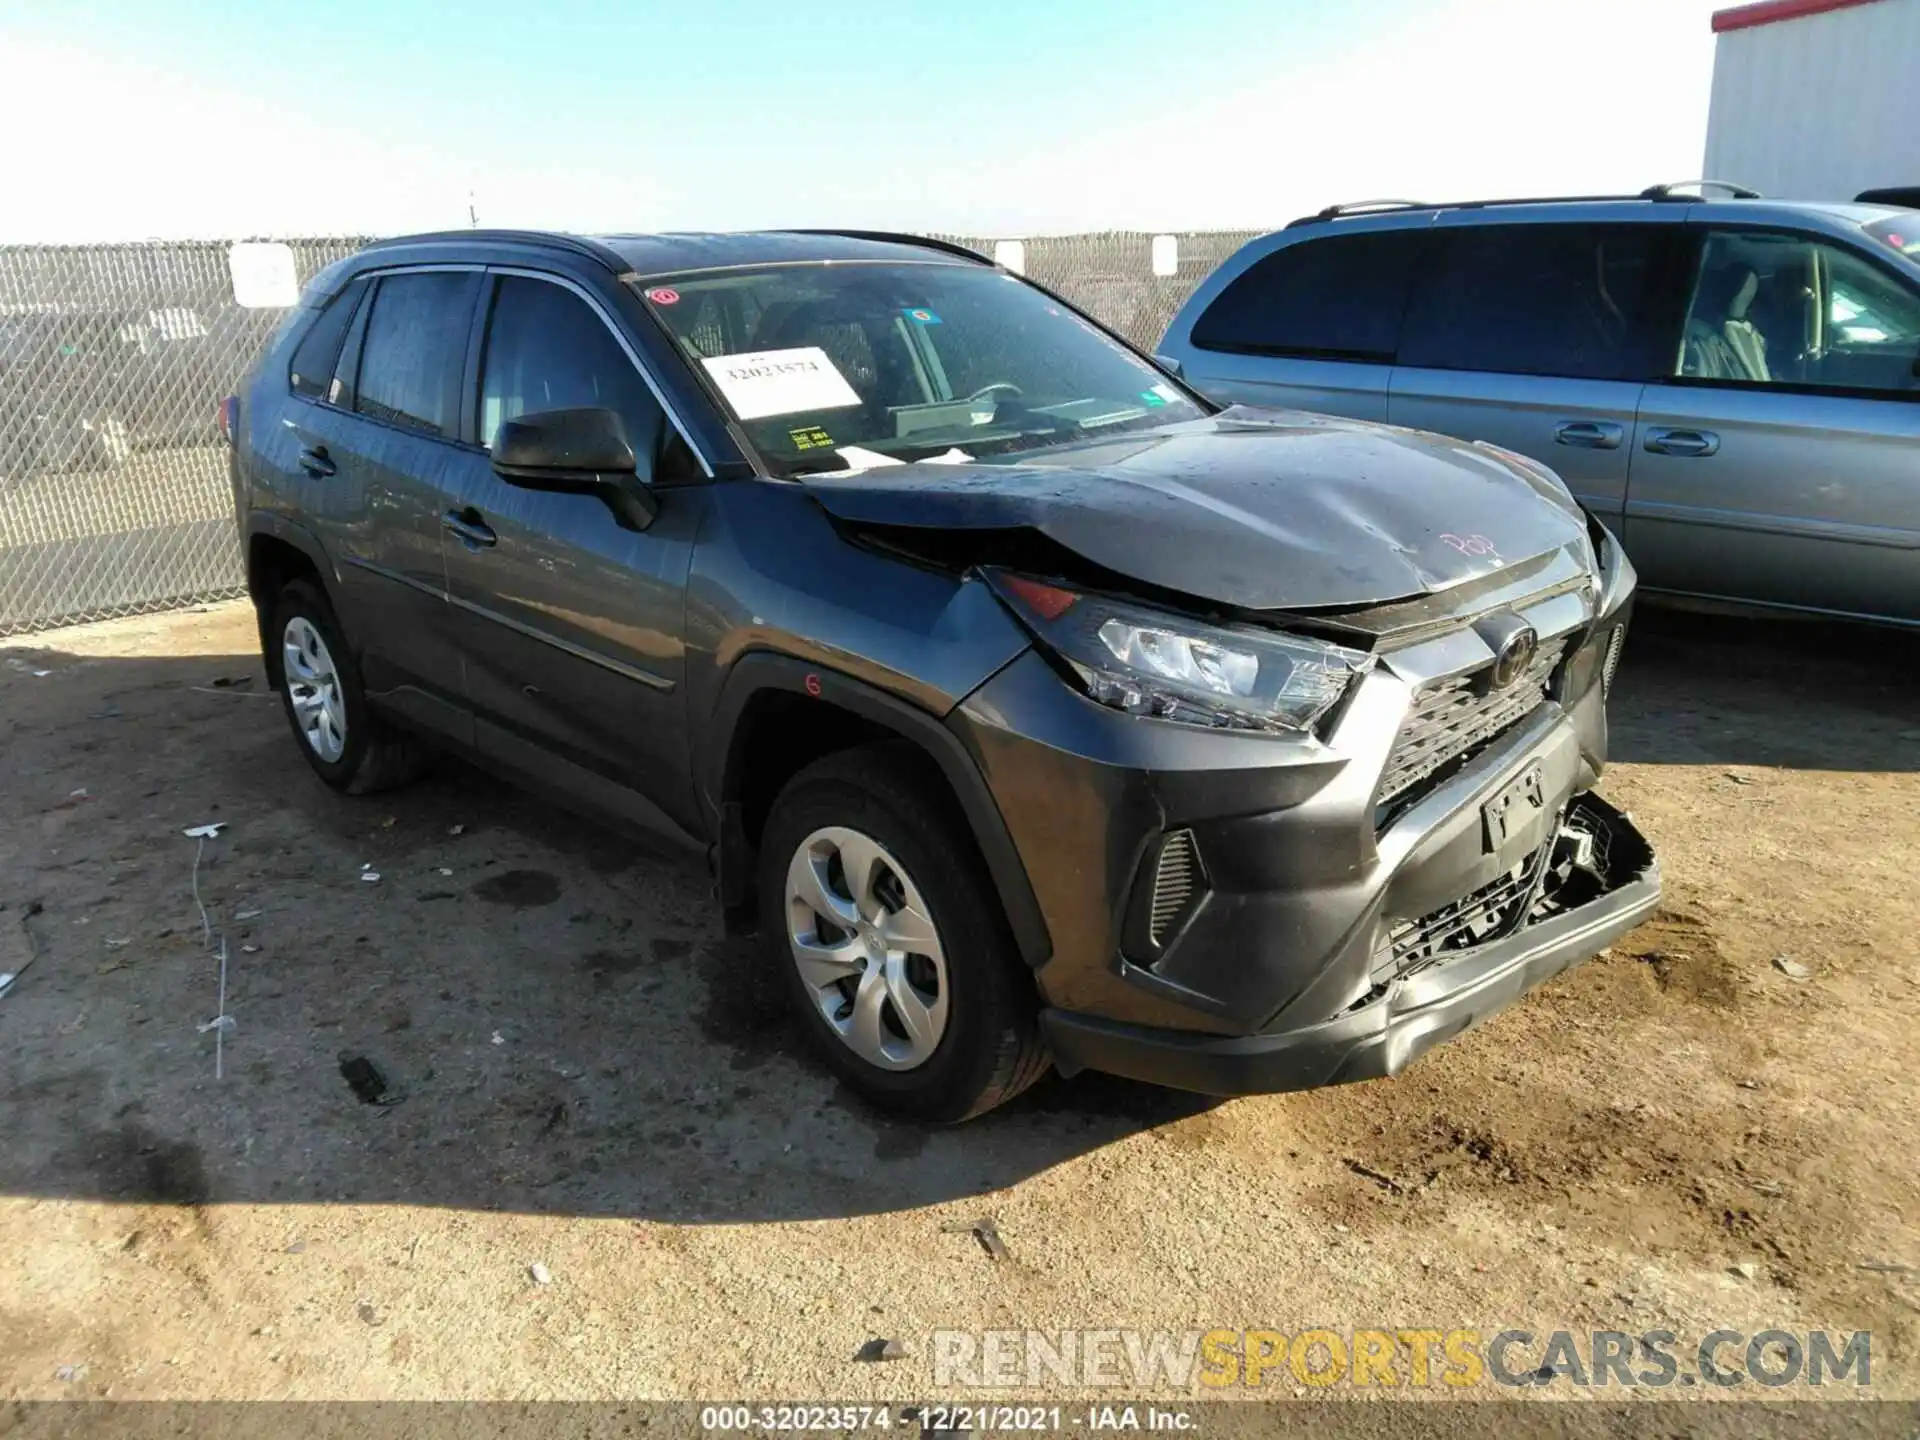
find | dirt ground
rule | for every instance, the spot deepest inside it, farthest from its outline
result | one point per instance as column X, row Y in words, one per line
column 1676, row 1134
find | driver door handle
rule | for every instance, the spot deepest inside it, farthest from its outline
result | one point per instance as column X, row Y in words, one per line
column 1589, row 434
column 473, row 531
column 1662, row 440
column 316, row 462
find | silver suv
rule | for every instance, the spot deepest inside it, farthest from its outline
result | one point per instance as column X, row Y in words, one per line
column 1730, row 384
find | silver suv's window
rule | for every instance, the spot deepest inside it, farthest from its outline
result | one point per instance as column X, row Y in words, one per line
column 547, row 350
column 1576, row 301
column 1774, row 309
column 1338, row 297
column 411, row 358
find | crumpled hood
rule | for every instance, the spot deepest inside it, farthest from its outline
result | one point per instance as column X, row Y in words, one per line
column 1252, row 508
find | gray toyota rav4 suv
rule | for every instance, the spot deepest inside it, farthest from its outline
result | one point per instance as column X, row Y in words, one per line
column 1731, row 384
column 1031, row 707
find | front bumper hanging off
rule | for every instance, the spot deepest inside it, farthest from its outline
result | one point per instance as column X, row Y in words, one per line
column 1573, row 913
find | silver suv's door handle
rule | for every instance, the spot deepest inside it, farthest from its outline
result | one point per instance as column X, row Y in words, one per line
column 1589, row 434
column 1700, row 443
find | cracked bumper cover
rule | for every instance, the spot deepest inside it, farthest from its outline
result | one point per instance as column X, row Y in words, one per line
column 1381, row 1037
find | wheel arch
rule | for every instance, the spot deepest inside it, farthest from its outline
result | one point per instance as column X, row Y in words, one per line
column 278, row 552
column 777, row 714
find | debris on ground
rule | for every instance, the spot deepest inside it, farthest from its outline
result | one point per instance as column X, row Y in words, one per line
column 540, row 1274
column 209, row 831
column 1379, row 1177
column 28, row 950
column 1772, row 1189
column 498, row 1038
column 1737, row 778
column 67, row 1374
column 371, row 1315
column 1791, row 968
column 1747, row 1270
column 456, row 830
column 1887, row 1267
column 366, row 1081
column 115, row 943
column 877, row 1349
column 249, row 913
column 985, row 1232
column 369, row 874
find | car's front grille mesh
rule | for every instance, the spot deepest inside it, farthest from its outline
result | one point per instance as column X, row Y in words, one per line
column 1488, row 913
column 1451, row 720
column 1173, row 881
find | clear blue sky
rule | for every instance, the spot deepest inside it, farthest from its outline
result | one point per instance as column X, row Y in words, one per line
column 197, row 116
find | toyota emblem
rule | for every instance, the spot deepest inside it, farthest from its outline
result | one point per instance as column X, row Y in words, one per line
column 1514, row 657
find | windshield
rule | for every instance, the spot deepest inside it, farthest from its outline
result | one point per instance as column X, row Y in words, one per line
column 844, row 366
column 1901, row 233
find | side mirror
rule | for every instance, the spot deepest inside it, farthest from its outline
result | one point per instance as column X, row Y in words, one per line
column 1167, row 362
column 582, row 452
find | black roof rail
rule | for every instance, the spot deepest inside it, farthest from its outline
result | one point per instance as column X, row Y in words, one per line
column 1656, row 192
column 547, row 239
column 890, row 237
column 1360, row 207
column 1672, row 191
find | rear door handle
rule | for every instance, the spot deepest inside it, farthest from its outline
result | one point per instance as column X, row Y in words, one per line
column 316, row 462
column 1696, row 443
column 1589, row 434
column 474, row 532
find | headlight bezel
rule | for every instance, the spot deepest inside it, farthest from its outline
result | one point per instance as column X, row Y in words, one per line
column 1295, row 689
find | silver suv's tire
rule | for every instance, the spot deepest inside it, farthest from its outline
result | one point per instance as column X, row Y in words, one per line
column 880, row 919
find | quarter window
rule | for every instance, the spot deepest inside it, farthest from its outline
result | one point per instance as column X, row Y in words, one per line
column 1340, row 297
column 1578, row 301
column 1772, row 309
column 312, row 371
column 548, row 350
column 411, row 357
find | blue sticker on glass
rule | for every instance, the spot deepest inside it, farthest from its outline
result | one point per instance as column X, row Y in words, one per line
column 1152, row 399
column 921, row 317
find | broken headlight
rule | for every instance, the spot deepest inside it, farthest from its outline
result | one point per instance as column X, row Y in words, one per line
column 1151, row 662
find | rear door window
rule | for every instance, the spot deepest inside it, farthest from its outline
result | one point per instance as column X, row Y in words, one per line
column 1587, row 302
column 415, row 343
column 315, row 358
column 1336, row 297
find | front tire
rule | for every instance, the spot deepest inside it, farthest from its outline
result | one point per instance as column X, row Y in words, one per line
column 880, row 918
column 348, row 746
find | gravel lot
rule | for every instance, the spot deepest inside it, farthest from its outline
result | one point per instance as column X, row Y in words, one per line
column 1677, row 1134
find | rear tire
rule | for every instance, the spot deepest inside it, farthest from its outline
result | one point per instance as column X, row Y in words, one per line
column 348, row 746
column 919, row 1000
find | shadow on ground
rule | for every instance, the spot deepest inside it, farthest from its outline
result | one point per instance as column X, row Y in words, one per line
column 1702, row 689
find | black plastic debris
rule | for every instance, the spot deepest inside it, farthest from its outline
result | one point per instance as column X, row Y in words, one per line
column 877, row 1350
column 366, row 1081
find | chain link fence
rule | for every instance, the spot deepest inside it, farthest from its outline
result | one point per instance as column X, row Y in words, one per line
column 114, row 497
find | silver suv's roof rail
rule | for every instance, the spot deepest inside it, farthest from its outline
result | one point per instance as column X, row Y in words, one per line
column 1673, row 192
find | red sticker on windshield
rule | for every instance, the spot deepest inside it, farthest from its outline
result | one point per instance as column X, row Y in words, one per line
column 664, row 296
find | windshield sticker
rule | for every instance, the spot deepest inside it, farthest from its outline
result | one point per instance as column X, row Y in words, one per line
column 780, row 382
column 1153, row 397
column 664, row 296
column 922, row 317
column 810, row 437
column 1166, row 393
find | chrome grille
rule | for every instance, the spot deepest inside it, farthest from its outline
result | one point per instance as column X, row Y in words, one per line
column 1450, row 720
column 1173, row 880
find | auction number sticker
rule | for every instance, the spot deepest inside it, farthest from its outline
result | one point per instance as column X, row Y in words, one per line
column 780, row 382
